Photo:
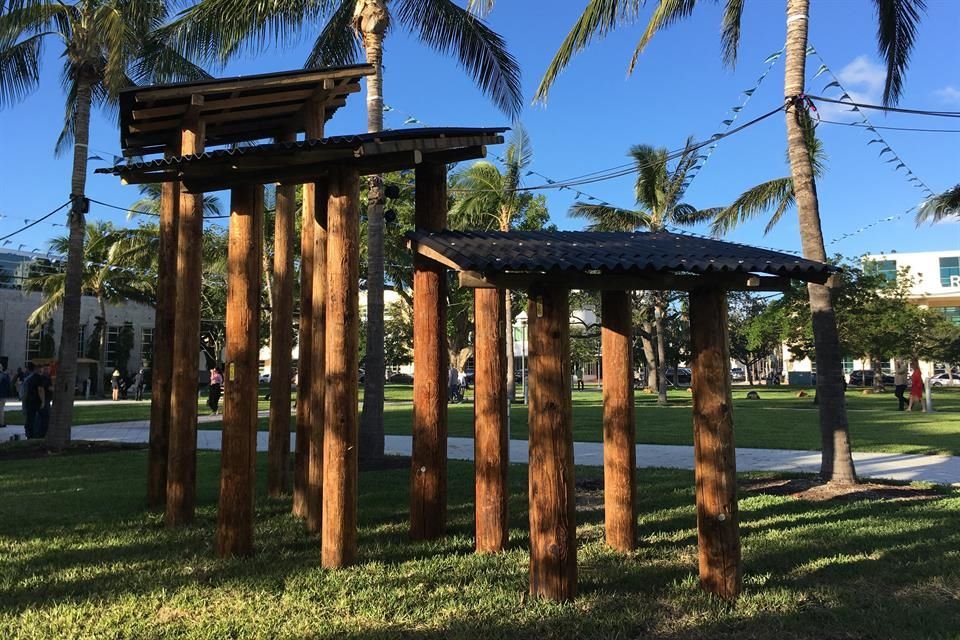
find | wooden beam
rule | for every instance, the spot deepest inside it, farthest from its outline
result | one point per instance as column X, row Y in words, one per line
column 490, row 410
column 553, row 541
column 301, row 460
column 718, row 529
column 428, row 482
column 215, row 87
column 618, row 281
column 619, row 443
column 182, row 455
column 318, row 368
column 339, row 543
column 162, row 351
column 235, row 514
column 281, row 342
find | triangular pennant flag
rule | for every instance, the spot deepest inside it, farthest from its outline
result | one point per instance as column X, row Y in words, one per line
column 830, row 85
column 387, row 107
column 871, row 129
column 874, row 140
column 737, row 109
column 811, row 50
column 821, row 70
column 885, row 150
column 727, row 123
column 749, row 92
column 896, row 168
column 845, row 96
column 772, row 57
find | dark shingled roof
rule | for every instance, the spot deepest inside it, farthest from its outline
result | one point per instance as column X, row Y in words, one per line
column 559, row 252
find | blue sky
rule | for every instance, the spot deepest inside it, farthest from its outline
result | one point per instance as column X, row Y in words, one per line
column 595, row 113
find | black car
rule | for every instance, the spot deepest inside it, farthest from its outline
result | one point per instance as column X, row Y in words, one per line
column 865, row 377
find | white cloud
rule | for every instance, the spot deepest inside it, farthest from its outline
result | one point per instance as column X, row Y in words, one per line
column 863, row 80
column 948, row 95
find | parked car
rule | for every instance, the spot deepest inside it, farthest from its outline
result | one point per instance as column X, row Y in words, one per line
column 864, row 378
column 264, row 378
column 683, row 376
column 944, row 380
column 737, row 374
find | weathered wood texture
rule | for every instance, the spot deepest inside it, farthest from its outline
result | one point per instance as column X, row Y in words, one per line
column 182, row 453
column 318, row 367
column 428, row 482
column 553, row 543
column 619, row 448
column 301, row 460
column 281, row 341
column 163, row 332
column 341, row 420
column 718, row 532
column 235, row 514
column 491, row 445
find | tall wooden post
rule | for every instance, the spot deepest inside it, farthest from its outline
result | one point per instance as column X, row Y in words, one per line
column 239, row 443
column 182, row 455
column 619, row 447
column 339, row 539
column 553, row 535
column 491, row 445
column 718, row 529
column 318, row 368
column 428, row 483
column 161, row 363
column 281, row 340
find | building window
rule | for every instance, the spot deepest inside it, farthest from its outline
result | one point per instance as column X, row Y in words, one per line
column 81, row 340
column 847, row 364
column 885, row 268
column 950, row 272
column 952, row 314
column 113, row 338
column 40, row 341
column 146, row 346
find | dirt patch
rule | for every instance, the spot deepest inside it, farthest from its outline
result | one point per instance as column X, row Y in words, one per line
column 813, row 490
column 27, row 449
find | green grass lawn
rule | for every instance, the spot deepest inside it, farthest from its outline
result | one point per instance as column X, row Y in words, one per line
column 79, row 558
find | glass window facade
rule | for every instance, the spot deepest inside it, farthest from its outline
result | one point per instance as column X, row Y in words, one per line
column 886, row 268
column 952, row 313
column 949, row 271
column 146, row 346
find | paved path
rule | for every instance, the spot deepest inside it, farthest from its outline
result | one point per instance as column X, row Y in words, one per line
column 893, row 466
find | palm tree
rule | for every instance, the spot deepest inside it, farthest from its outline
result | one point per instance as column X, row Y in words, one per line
column 107, row 45
column 488, row 199
column 107, row 275
column 940, row 206
column 897, row 22
column 219, row 28
column 659, row 192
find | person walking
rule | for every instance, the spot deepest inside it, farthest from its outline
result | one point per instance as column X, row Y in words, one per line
column 45, row 388
column 18, row 381
column 916, row 387
column 453, row 384
column 31, row 401
column 138, row 385
column 5, row 388
column 115, row 384
column 900, row 382
column 216, row 388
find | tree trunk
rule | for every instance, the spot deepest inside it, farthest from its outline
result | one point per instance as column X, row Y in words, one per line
column 661, row 352
column 61, row 418
column 371, row 21
column 837, row 462
column 877, row 373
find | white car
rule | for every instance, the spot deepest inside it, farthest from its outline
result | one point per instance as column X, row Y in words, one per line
column 265, row 378
column 944, row 380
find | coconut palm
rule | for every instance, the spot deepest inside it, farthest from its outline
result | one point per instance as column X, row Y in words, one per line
column 896, row 31
column 487, row 198
column 107, row 45
column 219, row 28
column 106, row 275
column 940, row 207
column 659, row 192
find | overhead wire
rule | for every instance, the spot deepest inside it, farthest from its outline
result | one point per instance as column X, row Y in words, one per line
column 880, row 107
column 35, row 222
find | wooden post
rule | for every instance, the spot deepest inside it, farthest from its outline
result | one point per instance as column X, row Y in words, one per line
column 619, row 445
column 428, row 483
column 553, row 535
column 281, row 340
column 718, row 532
column 239, row 443
column 182, row 455
column 318, row 343
column 491, row 445
column 341, row 421
column 161, row 363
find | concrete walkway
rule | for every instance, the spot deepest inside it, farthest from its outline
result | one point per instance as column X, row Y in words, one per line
column 892, row 466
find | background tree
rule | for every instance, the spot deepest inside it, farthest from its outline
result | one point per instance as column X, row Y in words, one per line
column 756, row 331
column 107, row 45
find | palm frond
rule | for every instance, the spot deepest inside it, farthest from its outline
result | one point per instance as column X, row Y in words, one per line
column 688, row 215
column 158, row 62
column 599, row 18
column 479, row 190
column 730, row 33
column 940, row 207
column 652, row 177
column 518, row 157
column 20, row 69
column 607, row 218
column 481, row 8
column 896, row 32
column 774, row 194
column 448, row 28
column 337, row 44
column 666, row 13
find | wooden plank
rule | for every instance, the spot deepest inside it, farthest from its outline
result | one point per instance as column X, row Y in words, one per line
column 318, row 368
column 248, row 84
column 235, row 513
column 218, row 104
column 182, row 455
column 718, row 529
column 490, row 410
column 339, row 540
column 281, row 342
column 553, row 542
column 619, row 282
column 619, row 443
column 428, row 482
column 162, row 353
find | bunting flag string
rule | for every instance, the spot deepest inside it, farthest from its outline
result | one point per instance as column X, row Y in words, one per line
column 869, row 226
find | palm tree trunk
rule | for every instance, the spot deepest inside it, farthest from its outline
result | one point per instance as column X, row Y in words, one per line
column 836, row 463
column 661, row 352
column 371, row 20
column 61, row 418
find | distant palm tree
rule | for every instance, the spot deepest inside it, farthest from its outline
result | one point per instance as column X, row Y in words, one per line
column 106, row 275
column 107, row 45
column 658, row 192
column 149, row 202
column 897, row 21
column 218, row 28
column 488, row 198
column 940, row 207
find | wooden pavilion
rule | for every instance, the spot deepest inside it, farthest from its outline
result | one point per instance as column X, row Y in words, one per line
column 178, row 120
